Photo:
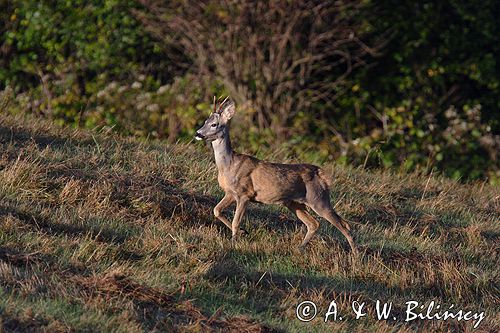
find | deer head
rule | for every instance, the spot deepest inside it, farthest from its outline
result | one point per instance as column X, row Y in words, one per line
column 216, row 126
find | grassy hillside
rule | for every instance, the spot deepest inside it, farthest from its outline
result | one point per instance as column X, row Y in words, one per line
column 99, row 233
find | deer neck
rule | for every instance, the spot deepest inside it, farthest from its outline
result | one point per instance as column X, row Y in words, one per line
column 223, row 152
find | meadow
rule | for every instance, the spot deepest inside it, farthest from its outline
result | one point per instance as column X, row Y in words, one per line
column 104, row 233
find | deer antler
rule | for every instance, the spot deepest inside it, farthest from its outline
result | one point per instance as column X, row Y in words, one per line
column 224, row 101
column 218, row 104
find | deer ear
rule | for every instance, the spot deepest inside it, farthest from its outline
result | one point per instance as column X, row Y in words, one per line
column 227, row 110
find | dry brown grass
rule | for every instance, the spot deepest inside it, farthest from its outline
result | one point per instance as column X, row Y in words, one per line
column 101, row 233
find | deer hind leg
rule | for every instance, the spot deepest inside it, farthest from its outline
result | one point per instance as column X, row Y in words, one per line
column 324, row 208
column 311, row 223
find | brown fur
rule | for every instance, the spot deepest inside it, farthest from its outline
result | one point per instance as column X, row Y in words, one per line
column 246, row 179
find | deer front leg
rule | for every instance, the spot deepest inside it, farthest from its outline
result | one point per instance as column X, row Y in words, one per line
column 241, row 205
column 223, row 204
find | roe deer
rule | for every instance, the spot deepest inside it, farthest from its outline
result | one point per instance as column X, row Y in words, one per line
column 246, row 179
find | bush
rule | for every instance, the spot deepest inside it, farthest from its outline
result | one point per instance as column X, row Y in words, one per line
column 279, row 57
column 146, row 109
column 439, row 61
column 65, row 51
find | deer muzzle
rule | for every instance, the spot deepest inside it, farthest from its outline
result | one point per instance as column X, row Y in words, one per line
column 199, row 136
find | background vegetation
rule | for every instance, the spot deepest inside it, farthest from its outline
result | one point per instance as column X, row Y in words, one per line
column 412, row 85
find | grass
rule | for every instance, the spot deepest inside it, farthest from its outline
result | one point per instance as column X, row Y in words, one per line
column 101, row 233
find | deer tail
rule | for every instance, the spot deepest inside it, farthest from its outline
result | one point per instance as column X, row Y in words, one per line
column 325, row 178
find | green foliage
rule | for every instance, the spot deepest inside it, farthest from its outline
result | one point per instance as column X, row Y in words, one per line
column 87, row 36
column 143, row 108
column 440, row 61
column 64, row 51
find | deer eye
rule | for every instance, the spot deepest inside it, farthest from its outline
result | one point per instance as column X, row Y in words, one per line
column 214, row 125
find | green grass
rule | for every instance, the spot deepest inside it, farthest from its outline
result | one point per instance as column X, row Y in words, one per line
column 101, row 233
